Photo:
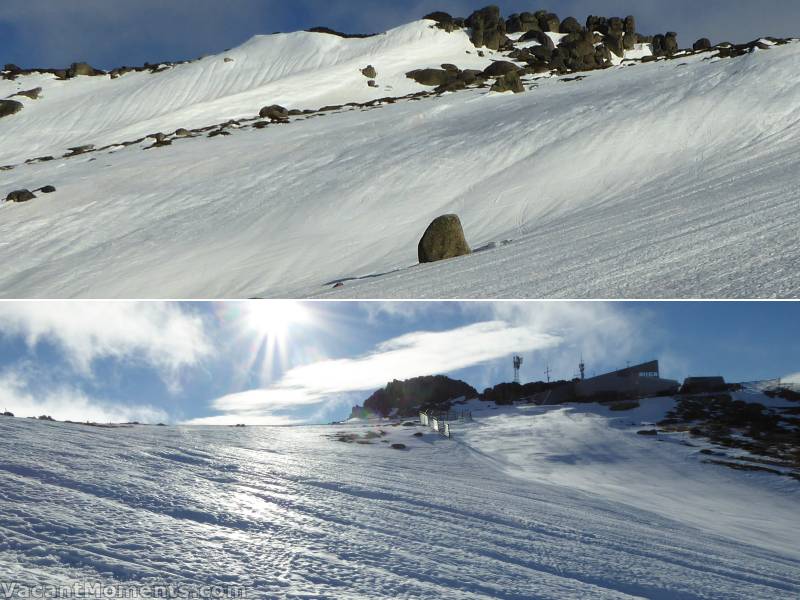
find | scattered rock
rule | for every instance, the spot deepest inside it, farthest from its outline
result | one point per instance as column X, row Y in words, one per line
column 228, row 59
column 274, row 113
column 445, row 21
column 702, row 44
column 80, row 150
column 182, row 133
column 647, row 432
column 32, row 94
column 7, row 414
column 433, row 77
column 418, row 434
column 330, row 31
column 81, row 68
column 338, row 284
column 398, row 446
column 48, row 189
column 443, row 239
column 369, row 72
column 9, row 107
column 372, row 83
column 500, row 68
column 20, row 196
column 510, row 82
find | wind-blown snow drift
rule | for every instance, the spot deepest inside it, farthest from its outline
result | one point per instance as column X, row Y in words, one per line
column 666, row 179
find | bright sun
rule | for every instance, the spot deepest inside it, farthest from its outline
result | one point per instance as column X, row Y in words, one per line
column 273, row 318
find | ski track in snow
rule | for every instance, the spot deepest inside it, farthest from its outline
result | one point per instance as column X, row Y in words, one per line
column 524, row 503
column 667, row 179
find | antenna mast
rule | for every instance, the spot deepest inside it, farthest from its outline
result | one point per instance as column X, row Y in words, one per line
column 517, row 365
column 547, row 372
column 582, row 368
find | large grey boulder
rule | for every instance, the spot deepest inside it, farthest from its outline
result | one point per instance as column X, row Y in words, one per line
column 522, row 22
column 570, row 25
column 443, row 239
column 9, row 107
column 548, row 21
column 488, row 28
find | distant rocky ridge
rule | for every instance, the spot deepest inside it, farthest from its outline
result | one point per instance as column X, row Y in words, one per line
column 525, row 41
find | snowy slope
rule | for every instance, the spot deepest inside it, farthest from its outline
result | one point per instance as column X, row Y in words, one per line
column 506, row 510
column 667, row 179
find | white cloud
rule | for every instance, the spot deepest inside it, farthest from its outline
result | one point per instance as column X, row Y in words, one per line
column 410, row 355
column 158, row 334
column 65, row 403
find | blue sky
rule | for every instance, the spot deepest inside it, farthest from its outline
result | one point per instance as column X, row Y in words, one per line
column 285, row 362
column 112, row 33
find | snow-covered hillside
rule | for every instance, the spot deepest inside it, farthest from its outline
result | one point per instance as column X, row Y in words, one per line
column 557, row 502
column 671, row 178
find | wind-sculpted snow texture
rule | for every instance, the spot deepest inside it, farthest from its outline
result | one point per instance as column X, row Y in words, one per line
column 494, row 513
column 672, row 178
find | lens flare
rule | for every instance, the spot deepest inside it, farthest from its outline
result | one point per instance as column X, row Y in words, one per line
column 265, row 329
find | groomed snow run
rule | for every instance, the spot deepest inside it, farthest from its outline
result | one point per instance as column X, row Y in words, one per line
column 560, row 502
column 667, row 179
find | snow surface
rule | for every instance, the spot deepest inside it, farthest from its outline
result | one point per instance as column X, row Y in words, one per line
column 556, row 502
column 667, row 179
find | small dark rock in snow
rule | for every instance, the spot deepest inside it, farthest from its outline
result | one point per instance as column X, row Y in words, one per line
column 228, row 59
column 48, row 189
column 80, row 149
column 9, row 107
column 648, row 432
column 369, row 72
column 372, row 83
column 7, row 414
column 20, row 196
column 338, row 285
column 443, row 239
column 398, row 446
column 274, row 113
column 181, row 132
column 418, row 434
